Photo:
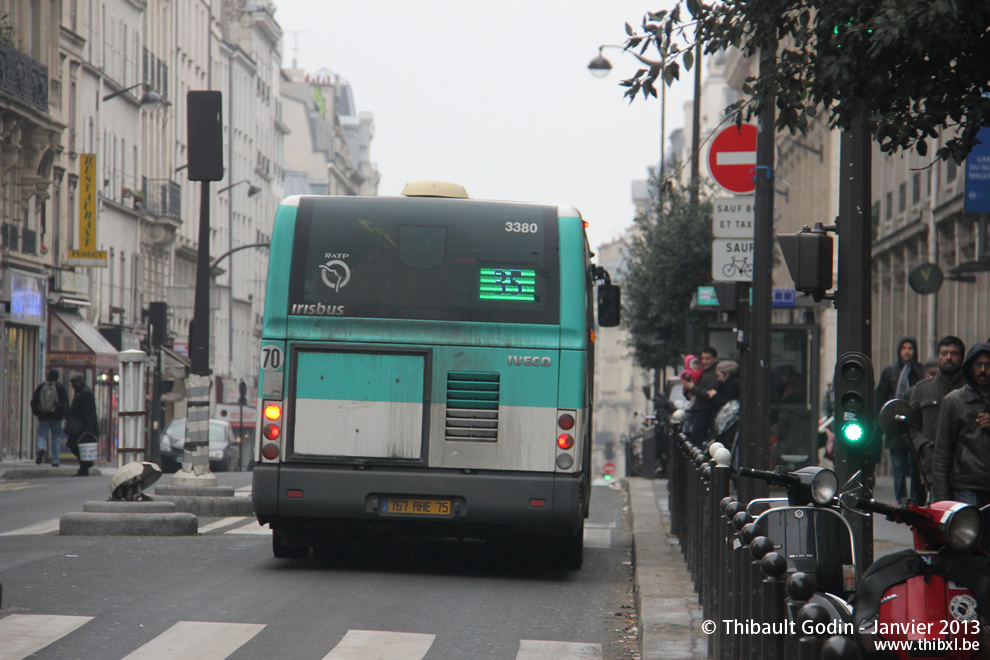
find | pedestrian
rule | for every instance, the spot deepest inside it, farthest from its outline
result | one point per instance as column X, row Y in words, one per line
column 931, row 367
column 727, row 392
column 50, row 403
column 81, row 420
column 926, row 397
column 702, row 412
column 895, row 382
column 962, row 442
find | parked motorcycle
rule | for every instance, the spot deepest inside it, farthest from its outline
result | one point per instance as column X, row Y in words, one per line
column 931, row 601
column 807, row 528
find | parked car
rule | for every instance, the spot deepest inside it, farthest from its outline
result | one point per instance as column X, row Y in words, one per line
column 225, row 452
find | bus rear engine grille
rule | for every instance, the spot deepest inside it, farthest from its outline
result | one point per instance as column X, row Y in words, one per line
column 472, row 406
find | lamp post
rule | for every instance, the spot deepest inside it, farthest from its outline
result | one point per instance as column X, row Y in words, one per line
column 600, row 67
column 150, row 97
column 251, row 192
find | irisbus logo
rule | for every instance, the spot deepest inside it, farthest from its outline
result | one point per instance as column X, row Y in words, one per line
column 520, row 361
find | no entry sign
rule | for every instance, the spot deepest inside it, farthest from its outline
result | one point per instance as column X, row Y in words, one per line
column 732, row 159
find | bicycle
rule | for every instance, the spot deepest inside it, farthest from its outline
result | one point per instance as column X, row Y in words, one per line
column 738, row 266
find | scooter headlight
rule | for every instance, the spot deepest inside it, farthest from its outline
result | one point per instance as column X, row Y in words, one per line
column 961, row 527
column 824, row 486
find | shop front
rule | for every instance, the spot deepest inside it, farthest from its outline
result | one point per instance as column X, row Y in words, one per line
column 75, row 346
column 22, row 320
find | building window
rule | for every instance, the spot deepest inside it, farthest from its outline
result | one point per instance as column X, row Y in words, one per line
column 950, row 170
column 890, row 206
column 916, row 188
column 901, row 198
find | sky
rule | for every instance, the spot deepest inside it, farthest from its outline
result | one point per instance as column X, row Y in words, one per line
column 494, row 96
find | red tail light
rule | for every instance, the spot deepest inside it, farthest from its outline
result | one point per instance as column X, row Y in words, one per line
column 565, row 441
column 271, row 431
column 269, row 451
column 566, row 421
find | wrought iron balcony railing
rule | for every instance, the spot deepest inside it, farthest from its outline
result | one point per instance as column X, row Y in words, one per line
column 23, row 76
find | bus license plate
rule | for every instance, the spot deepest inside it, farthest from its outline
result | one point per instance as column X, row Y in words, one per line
column 416, row 506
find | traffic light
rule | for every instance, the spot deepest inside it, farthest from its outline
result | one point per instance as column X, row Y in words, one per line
column 808, row 255
column 854, row 414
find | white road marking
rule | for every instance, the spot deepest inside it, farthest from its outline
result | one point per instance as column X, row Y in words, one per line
column 223, row 522
column 381, row 645
column 535, row 649
column 24, row 634
column 597, row 538
column 251, row 528
column 197, row 639
column 44, row 527
column 243, row 491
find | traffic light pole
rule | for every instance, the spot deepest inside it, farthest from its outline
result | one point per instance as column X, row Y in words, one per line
column 853, row 302
column 755, row 437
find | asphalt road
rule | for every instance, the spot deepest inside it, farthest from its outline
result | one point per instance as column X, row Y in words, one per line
column 222, row 594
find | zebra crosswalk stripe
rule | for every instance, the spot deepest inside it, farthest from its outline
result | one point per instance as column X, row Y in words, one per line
column 202, row 640
column 44, row 527
column 381, row 645
column 24, row 634
column 536, row 649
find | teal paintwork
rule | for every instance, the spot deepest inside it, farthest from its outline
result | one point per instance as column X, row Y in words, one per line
column 351, row 376
column 455, row 346
column 573, row 274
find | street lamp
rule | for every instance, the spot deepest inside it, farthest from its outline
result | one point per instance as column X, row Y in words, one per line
column 600, row 67
column 151, row 97
column 252, row 189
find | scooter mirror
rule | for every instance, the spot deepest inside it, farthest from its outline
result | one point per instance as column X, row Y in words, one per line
column 897, row 418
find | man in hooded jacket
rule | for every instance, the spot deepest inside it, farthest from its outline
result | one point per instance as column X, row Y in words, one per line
column 895, row 382
column 962, row 437
column 926, row 397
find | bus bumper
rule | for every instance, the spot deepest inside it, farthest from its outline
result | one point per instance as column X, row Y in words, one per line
column 295, row 497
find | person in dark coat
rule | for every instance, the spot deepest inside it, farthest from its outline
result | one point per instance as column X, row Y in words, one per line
column 895, row 382
column 926, row 397
column 702, row 412
column 962, row 436
column 50, row 403
column 81, row 420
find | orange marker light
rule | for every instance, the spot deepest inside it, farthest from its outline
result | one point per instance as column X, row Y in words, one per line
column 273, row 411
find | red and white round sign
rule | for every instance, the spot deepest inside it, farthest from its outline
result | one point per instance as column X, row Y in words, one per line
column 732, row 158
column 609, row 468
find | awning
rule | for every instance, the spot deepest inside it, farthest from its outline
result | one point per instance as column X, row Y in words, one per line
column 75, row 343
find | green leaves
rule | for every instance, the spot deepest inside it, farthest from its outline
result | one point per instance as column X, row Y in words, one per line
column 914, row 66
column 667, row 259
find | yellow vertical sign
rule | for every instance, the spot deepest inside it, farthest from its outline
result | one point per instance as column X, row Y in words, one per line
column 87, row 254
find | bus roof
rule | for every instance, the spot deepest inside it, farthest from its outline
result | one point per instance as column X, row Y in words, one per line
column 434, row 189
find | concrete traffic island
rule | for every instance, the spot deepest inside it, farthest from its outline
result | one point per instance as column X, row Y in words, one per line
column 207, row 501
column 126, row 518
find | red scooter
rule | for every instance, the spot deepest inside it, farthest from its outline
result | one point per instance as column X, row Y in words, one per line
column 932, row 601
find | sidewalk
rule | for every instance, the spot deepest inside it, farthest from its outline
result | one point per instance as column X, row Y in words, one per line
column 18, row 470
column 669, row 614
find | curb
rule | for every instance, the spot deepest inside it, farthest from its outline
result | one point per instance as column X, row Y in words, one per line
column 128, row 524
column 45, row 472
column 209, row 507
column 669, row 613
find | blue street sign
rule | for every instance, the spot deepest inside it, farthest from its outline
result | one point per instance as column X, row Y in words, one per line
column 978, row 175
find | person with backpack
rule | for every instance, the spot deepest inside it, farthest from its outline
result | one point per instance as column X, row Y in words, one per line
column 50, row 403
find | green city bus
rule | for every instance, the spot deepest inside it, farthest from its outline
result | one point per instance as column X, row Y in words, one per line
column 426, row 368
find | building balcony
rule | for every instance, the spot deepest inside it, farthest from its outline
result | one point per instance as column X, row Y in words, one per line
column 162, row 200
column 23, row 77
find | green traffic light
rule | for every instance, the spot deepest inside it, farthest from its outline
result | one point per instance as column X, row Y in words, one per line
column 853, row 432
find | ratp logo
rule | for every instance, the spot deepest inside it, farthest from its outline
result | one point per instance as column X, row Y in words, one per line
column 335, row 273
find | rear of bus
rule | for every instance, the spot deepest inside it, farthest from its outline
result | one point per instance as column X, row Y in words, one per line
column 425, row 369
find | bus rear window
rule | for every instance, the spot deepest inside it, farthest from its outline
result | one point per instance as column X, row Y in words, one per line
column 425, row 258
